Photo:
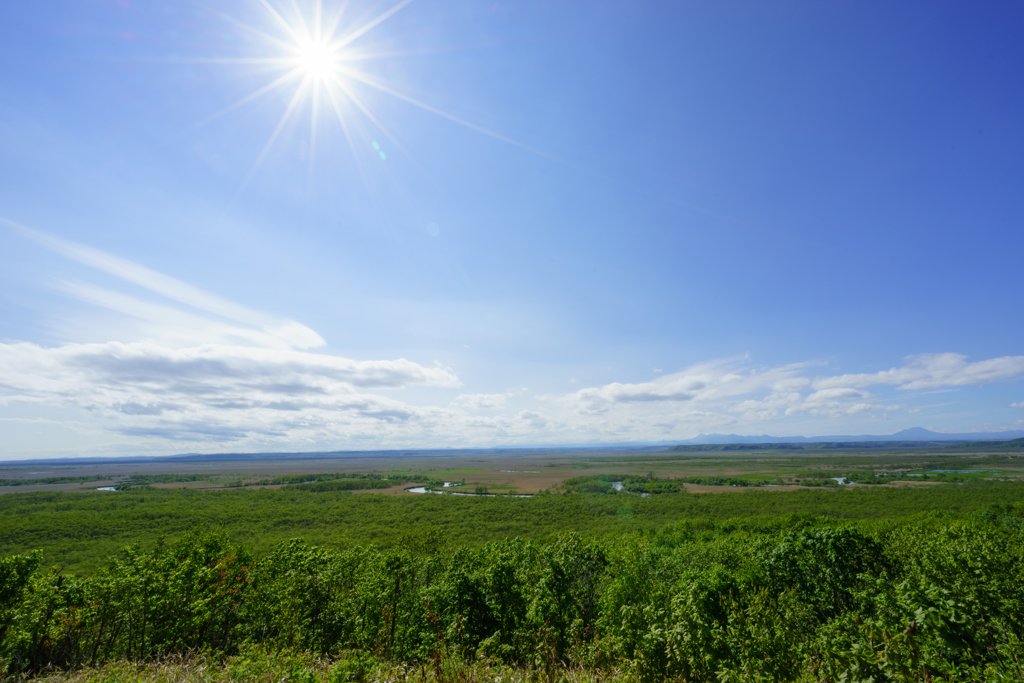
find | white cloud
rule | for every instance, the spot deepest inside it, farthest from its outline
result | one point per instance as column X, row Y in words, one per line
column 704, row 382
column 707, row 395
column 213, row 391
column 1018, row 404
column 534, row 419
column 837, row 394
column 265, row 397
column 931, row 371
column 202, row 368
column 837, row 402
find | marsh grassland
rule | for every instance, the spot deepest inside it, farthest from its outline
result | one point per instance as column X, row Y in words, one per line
column 694, row 565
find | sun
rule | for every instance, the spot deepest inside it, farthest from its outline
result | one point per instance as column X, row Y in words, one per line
column 317, row 57
column 317, row 61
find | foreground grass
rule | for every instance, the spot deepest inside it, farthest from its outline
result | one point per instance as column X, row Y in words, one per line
column 259, row 666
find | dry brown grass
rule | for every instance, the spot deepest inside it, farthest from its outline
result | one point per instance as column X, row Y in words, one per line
column 259, row 667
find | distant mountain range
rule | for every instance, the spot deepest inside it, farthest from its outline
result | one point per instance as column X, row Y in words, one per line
column 912, row 434
column 916, row 436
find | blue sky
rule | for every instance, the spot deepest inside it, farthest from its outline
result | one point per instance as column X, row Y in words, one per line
column 549, row 223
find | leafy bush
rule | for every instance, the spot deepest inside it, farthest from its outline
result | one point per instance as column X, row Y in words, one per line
column 797, row 597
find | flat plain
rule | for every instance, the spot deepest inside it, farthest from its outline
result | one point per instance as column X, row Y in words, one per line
column 345, row 498
column 526, row 471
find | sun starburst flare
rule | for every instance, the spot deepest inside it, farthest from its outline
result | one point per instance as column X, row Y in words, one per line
column 316, row 57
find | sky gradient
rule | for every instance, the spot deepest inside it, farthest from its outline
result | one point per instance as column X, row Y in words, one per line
column 541, row 223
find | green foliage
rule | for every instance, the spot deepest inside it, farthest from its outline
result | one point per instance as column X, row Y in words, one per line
column 355, row 481
column 16, row 572
column 593, row 483
column 649, row 485
column 953, row 609
column 354, row 669
column 345, row 485
column 336, row 481
column 79, row 530
column 602, row 483
column 824, row 566
column 137, row 480
column 795, row 597
column 45, row 480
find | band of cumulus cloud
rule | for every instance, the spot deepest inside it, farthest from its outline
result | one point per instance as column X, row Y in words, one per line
column 729, row 392
column 210, row 390
column 258, row 396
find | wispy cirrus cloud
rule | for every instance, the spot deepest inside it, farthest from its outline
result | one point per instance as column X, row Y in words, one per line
column 204, row 313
